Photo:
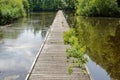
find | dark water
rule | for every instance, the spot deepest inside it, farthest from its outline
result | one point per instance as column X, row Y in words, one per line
column 20, row 42
column 101, row 36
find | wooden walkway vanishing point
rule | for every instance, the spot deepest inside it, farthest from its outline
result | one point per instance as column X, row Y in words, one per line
column 51, row 63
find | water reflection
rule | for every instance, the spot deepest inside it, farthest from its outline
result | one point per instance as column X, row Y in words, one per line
column 102, row 39
column 19, row 44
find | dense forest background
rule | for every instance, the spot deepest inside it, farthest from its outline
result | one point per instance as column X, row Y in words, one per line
column 13, row 9
column 109, row 8
column 51, row 5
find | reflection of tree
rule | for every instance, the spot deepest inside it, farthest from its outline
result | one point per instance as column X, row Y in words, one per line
column 41, row 20
column 38, row 21
column 102, row 39
column 1, row 33
column 14, row 30
column 1, row 36
column 115, row 44
column 43, row 33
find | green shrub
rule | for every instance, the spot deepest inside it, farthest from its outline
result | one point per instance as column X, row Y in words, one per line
column 12, row 9
column 76, row 51
column 51, row 5
column 98, row 8
column 67, row 35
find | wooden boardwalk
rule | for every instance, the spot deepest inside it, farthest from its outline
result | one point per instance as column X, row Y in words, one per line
column 52, row 63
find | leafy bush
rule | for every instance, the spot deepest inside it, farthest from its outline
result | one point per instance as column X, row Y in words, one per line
column 76, row 51
column 98, row 8
column 67, row 35
column 12, row 9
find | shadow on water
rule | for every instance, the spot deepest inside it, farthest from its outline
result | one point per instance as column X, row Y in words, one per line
column 20, row 42
column 101, row 36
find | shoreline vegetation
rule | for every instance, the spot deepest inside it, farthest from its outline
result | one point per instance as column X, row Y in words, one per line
column 76, row 53
column 98, row 8
column 11, row 10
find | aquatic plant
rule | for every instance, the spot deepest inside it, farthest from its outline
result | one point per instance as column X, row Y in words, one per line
column 76, row 52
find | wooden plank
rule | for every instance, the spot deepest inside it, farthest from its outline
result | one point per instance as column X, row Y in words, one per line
column 52, row 62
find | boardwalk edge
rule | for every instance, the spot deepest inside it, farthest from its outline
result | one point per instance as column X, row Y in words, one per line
column 38, row 54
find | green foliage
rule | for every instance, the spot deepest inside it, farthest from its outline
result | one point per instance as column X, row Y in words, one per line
column 98, row 8
column 67, row 35
column 118, row 2
column 70, row 69
column 26, row 5
column 76, row 52
column 12, row 9
column 71, row 4
column 51, row 5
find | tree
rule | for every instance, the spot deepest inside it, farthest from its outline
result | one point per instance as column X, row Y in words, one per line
column 12, row 9
column 98, row 8
column 47, row 5
column 118, row 2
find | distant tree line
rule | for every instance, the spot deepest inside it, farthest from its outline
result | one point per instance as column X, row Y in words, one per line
column 50, row 5
column 104, row 8
column 13, row 9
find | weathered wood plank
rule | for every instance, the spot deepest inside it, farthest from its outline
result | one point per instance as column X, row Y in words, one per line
column 52, row 62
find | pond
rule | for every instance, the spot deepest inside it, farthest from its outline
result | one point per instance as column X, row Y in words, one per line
column 20, row 43
column 101, row 36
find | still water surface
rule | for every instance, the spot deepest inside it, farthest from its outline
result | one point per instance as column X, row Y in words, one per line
column 20, row 42
column 101, row 36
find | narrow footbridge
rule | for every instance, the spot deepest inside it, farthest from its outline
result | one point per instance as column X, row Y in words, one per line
column 51, row 62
